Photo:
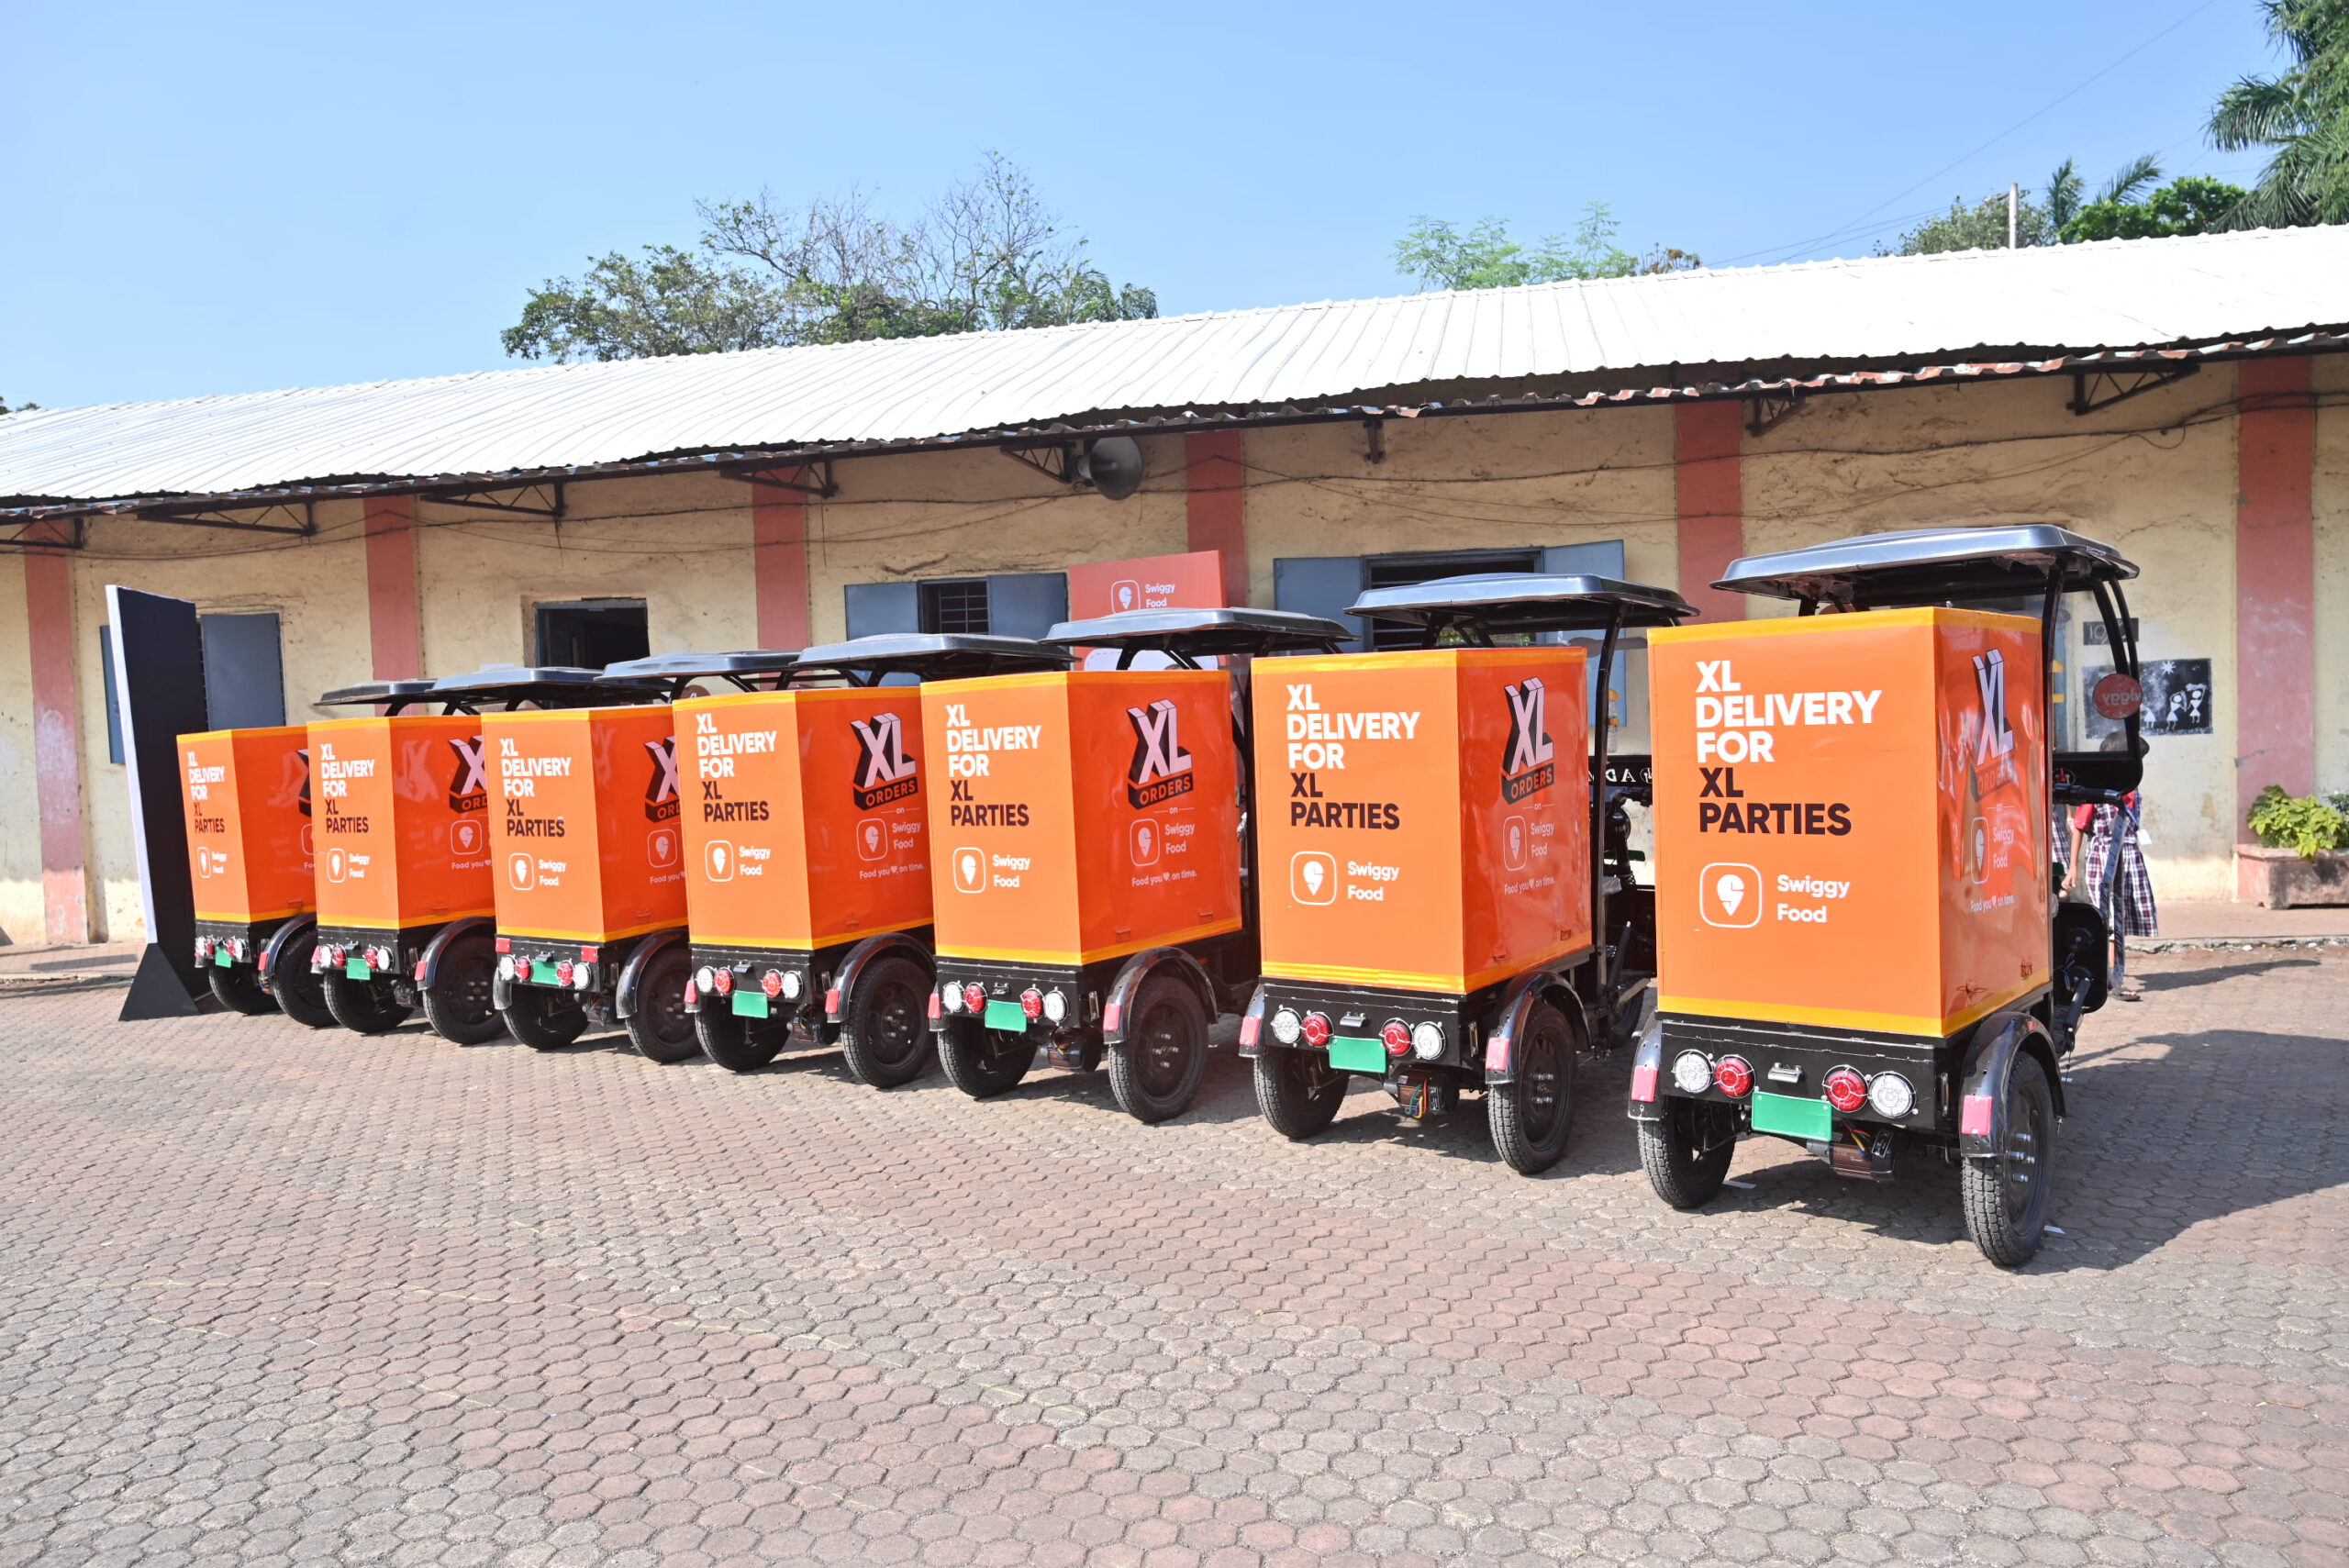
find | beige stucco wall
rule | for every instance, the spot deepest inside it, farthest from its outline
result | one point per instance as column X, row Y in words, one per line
column 2154, row 475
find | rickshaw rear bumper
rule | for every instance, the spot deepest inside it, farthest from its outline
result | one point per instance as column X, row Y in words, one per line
column 1911, row 1080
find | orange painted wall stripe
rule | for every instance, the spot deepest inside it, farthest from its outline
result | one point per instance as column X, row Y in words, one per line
column 395, row 629
column 1708, row 445
column 2275, row 582
column 779, row 549
column 1215, row 471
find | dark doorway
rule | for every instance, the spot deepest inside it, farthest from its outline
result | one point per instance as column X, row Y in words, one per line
column 592, row 633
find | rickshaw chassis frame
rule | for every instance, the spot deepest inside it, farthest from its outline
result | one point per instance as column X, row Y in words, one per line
column 617, row 962
column 826, row 974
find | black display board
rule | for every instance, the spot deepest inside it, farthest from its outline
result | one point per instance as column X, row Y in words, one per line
column 159, row 685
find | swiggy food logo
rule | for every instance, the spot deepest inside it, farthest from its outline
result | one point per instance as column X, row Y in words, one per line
column 1162, row 769
column 1529, row 763
column 1729, row 893
column 884, row 772
column 469, row 783
column 661, row 801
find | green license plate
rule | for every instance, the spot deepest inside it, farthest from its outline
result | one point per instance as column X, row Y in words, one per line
column 750, row 1004
column 220, row 958
column 542, row 973
column 1002, row 1014
column 1795, row 1116
column 356, row 969
column 1351, row 1054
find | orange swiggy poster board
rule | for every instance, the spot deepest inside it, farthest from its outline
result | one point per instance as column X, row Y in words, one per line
column 1083, row 815
column 1191, row 582
column 804, row 820
column 1423, row 817
column 584, row 828
column 247, row 796
column 1851, row 819
column 400, row 809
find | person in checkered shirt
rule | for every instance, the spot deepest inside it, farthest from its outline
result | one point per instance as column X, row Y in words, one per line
column 2108, row 861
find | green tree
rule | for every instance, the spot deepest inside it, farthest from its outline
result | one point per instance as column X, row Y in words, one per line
column 988, row 255
column 1441, row 256
column 1983, row 226
column 2192, row 204
column 19, row 409
column 2303, row 114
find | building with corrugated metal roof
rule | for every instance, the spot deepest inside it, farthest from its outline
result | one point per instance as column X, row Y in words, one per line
column 2182, row 399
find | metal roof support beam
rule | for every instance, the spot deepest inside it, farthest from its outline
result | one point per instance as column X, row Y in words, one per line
column 1771, row 409
column 763, row 478
column 1064, row 470
column 2095, row 389
column 1373, row 436
column 199, row 519
column 470, row 499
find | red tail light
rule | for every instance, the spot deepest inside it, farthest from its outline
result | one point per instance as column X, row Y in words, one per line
column 722, row 982
column 562, row 973
column 1846, row 1090
column 1317, row 1030
column 771, row 982
column 586, row 955
column 1397, row 1038
column 504, row 944
column 1032, row 1002
column 1732, row 1077
column 974, row 999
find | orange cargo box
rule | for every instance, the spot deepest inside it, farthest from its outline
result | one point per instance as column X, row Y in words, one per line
column 247, row 796
column 805, row 819
column 1084, row 815
column 585, row 830
column 1424, row 818
column 400, row 807
column 1851, row 819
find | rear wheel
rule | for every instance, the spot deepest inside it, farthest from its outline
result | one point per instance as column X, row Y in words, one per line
column 460, row 1003
column 1155, row 1074
column 300, row 990
column 1688, row 1151
column 542, row 1019
column 239, row 989
column 364, row 1006
column 739, row 1045
column 884, row 1025
column 982, row 1062
column 1297, row 1092
column 661, row 1028
column 1531, row 1114
column 2006, row 1194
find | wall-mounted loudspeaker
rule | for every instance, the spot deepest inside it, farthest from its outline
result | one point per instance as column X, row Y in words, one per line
column 1114, row 465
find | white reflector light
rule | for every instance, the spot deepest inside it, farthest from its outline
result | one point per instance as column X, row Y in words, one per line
column 1691, row 1074
column 704, row 980
column 1427, row 1041
column 950, row 997
column 1055, row 1007
column 790, row 985
column 1288, row 1026
column 1890, row 1096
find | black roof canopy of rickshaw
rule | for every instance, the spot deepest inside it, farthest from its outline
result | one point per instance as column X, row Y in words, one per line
column 1525, row 602
column 1931, row 566
column 930, row 656
column 371, row 693
column 1205, row 633
column 549, row 685
column 745, row 665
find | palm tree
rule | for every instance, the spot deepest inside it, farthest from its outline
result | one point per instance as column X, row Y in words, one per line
column 2303, row 114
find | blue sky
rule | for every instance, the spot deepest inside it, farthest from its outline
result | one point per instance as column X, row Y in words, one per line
column 238, row 198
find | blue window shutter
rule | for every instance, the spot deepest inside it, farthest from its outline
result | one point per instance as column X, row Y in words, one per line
column 1027, row 603
column 1320, row 586
column 244, row 675
column 877, row 607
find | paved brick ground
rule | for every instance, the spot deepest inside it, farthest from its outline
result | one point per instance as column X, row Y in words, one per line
column 272, row 1295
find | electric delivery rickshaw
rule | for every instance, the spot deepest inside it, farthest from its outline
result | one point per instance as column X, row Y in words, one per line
column 1094, row 881
column 1435, row 916
column 400, row 810
column 247, row 797
column 1860, row 946
column 806, row 844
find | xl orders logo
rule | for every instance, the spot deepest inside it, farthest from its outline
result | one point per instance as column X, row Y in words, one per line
column 1529, row 763
column 469, row 781
column 1162, row 769
column 1990, row 683
column 661, row 801
column 884, row 773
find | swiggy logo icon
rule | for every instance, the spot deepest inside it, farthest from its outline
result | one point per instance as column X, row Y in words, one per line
column 970, row 871
column 1313, row 877
column 1728, row 893
column 521, row 870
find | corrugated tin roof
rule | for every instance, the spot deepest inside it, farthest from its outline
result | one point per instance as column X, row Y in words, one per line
column 551, row 419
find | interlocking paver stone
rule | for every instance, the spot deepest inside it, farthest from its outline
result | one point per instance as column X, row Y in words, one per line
column 277, row 1295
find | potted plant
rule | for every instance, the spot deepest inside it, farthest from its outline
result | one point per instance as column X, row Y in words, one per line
column 2302, row 856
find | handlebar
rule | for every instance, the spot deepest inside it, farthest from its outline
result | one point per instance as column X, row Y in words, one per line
column 2075, row 794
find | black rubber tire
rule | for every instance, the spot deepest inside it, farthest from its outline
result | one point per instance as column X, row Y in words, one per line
column 982, row 1062
column 544, row 1019
column 1297, row 1091
column 363, row 1006
column 1687, row 1153
column 300, row 992
column 459, row 1003
column 884, row 1022
column 1155, row 1074
column 1531, row 1115
column 2006, row 1194
column 660, row 1028
column 239, row 989
column 739, row 1045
